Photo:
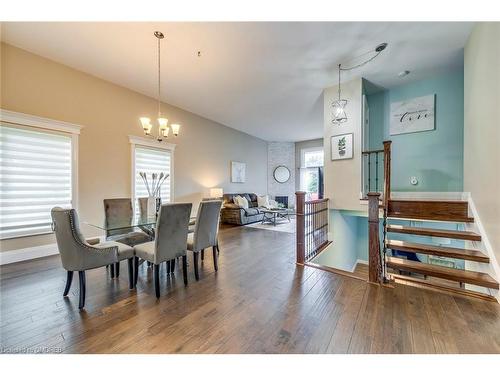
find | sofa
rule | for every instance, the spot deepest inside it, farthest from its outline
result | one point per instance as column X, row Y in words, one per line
column 231, row 213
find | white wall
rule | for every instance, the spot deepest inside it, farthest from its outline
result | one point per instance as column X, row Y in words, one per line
column 343, row 177
column 281, row 153
column 482, row 126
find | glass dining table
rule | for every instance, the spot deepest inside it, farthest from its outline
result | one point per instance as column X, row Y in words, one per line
column 146, row 224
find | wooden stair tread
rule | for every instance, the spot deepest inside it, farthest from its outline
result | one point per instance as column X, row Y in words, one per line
column 468, row 277
column 430, row 209
column 456, row 234
column 449, row 252
column 433, row 285
column 431, row 217
column 432, row 200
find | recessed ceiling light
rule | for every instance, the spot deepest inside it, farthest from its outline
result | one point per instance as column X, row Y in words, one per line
column 404, row 73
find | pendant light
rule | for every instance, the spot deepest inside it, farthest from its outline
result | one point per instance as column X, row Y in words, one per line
column 163, row 127
column 339, row 114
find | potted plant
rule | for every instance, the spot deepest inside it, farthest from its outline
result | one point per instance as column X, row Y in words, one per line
column 341, row 145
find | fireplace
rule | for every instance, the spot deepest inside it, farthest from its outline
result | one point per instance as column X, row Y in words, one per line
column 283, row 199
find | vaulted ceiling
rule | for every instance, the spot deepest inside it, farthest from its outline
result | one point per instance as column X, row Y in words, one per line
column 265, row 79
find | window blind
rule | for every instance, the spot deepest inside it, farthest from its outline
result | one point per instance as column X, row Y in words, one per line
column 150, row 161
column 35, row 175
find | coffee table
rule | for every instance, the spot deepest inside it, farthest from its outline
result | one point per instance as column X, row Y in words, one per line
column 271, row 215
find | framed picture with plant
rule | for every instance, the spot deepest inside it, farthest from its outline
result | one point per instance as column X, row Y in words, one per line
column 342, row 146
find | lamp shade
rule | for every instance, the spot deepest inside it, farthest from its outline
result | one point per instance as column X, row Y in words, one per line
column 216, row 193
column 175, row 129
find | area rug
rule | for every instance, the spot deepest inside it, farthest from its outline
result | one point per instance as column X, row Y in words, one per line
column 281, row 226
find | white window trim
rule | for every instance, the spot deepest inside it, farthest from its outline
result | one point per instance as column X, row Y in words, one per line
column 310, row 149
column 43, row 123
column 148, row 142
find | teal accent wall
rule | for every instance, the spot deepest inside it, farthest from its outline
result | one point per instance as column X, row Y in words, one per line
column 434, row 157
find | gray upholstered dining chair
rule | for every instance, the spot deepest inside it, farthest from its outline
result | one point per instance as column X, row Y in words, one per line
column 119, row 212
column 169, row 243
column 205, row 233
column 78, row 255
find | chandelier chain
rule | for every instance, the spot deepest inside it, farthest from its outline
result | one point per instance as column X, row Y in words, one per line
column 159, row 79
column 339, row 79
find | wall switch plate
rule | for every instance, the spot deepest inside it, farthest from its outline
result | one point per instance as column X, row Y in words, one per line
column 413, row 180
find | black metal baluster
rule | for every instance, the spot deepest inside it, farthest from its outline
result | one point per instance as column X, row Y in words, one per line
column 376, row 172
column 369, row 173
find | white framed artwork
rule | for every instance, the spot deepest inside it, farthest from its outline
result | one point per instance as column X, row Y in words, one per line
column 413, row 115
column 341, row 146
column 238, row 172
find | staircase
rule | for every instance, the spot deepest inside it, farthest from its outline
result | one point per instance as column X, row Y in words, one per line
column 415, row 221
column 426, row 274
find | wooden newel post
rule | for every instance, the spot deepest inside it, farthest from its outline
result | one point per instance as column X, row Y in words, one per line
column 387, row 172
column 300, row 199
column 374, row 266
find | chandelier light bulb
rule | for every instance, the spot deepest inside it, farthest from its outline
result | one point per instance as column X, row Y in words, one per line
column 163, row 122
column 175, row 129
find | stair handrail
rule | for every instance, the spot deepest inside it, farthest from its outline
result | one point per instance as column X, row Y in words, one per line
column 387, row 173
column 311, row 227
column 376, row 257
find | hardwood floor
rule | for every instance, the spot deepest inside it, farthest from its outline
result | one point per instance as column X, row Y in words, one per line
column 258, row 302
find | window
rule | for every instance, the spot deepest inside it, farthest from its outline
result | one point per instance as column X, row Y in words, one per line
column 311, row 174
column 151, row 157
column 36, row 173
column 312, row 158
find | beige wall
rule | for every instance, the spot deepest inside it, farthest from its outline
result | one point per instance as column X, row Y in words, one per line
column 109, row 113
column 343, row 177
column 482, row 126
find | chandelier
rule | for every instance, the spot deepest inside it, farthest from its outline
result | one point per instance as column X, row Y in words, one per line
column 163, row 127
column 339, row 115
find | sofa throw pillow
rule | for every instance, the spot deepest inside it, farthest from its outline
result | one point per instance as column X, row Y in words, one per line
column 263, row 201
column 241, row 201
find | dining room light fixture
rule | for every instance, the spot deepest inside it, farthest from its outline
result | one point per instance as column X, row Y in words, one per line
column 339, row 114
column 163, row 127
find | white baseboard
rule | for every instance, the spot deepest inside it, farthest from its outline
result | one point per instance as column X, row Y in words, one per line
column 28, row 253
column 493, row 267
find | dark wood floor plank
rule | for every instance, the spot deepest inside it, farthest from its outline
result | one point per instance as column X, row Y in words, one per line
column 258, row 302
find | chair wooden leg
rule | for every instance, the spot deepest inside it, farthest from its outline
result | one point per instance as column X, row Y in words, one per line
column 81, row 275
column 185, row 269
column 195, row 264
column 112, row 270
column 214, row 252
column 157, row 280
column 203, row 255
column 130, row 262
column 136, row 270
column 172, row 265
column 117, row 269
column 168, row 267
column 69, row 279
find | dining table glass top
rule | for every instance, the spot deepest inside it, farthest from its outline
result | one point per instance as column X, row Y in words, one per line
column 125, row 223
